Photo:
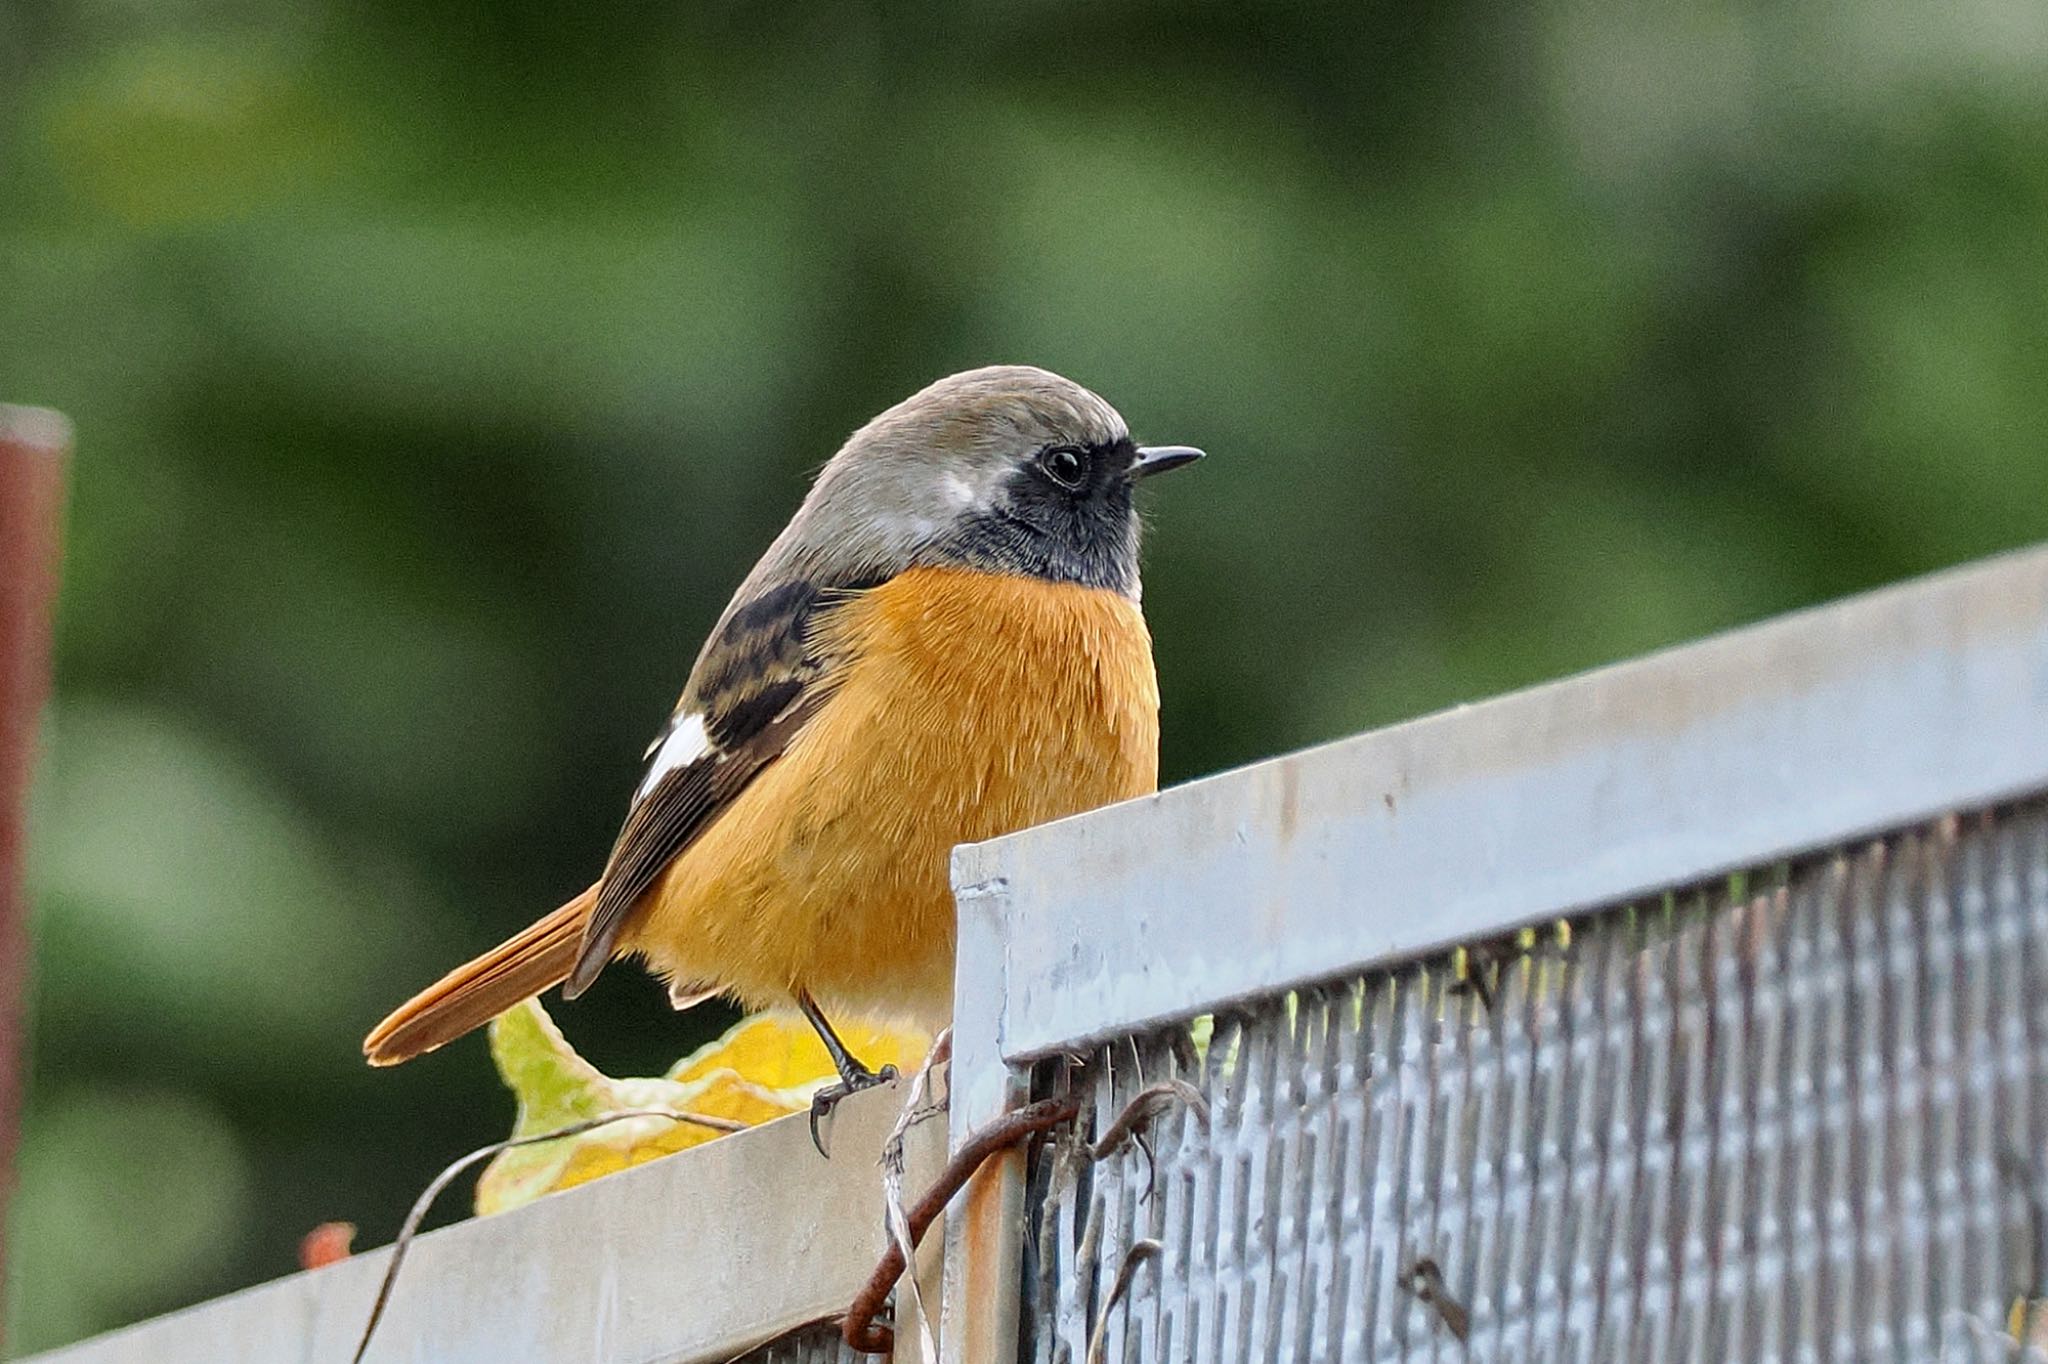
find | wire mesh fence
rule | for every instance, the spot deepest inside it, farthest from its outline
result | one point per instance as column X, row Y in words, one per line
column 813, row 1345
column 1795, row 1115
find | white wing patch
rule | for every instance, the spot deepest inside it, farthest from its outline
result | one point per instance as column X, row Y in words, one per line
column 686, row 742
column 683, row 995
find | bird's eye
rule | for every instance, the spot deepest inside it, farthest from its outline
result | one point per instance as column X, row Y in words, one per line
column 1065, row 465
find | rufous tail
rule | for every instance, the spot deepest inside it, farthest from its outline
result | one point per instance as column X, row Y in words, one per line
column 471, row 995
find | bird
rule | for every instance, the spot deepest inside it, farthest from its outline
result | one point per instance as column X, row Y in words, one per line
column 945, row 644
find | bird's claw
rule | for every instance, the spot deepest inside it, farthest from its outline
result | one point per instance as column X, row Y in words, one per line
column 830, row 1097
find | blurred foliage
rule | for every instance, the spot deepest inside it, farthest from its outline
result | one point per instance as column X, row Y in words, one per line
column 764, row 1067
column 439, row 367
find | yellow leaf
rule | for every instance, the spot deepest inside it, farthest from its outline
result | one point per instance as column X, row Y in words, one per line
column 780, row 1051
column 763, row 1068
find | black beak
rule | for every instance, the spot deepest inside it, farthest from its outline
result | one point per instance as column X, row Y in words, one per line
column 1157, row 459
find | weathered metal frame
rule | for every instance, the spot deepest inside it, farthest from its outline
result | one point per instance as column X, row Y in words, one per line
column 1803, row 732
column 694, row 1259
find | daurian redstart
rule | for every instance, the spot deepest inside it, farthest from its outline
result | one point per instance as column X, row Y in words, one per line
column 944, row 645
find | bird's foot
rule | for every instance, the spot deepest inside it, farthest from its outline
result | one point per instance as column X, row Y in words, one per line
column 852, row 1080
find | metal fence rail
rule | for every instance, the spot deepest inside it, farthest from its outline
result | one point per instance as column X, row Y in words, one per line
column 718, row 1255
column 1796, row 1115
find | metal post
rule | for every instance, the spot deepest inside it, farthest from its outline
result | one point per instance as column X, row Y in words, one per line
column 33, row 446
column 985, row 1227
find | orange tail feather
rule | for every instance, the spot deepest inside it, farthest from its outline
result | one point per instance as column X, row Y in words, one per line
column 536, row 959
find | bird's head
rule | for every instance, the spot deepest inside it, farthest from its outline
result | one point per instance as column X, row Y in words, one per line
column 1008, row 469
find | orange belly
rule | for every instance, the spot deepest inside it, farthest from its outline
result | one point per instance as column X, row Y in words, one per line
column 978, row 705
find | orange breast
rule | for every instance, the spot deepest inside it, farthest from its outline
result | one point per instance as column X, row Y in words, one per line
column 975, row 705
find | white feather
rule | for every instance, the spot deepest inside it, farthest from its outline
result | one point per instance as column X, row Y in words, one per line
column 958, row 491
column 686, row 742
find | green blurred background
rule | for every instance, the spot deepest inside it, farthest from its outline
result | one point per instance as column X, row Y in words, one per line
column 439, row 367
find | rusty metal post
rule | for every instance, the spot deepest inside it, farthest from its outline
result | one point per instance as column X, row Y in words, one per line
column 984, row 1258
column 33, row 446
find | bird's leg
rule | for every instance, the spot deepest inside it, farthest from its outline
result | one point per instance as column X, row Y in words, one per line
column 853, row 1076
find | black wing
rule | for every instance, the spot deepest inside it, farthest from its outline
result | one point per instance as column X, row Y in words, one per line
column 757, row 683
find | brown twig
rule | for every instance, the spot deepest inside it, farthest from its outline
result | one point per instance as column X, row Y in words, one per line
column 448, row 1176
column 1426, row 1282
column 916, row 1105
column 1140, row 1251
column 860, row 1330
column 1146, row 1105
